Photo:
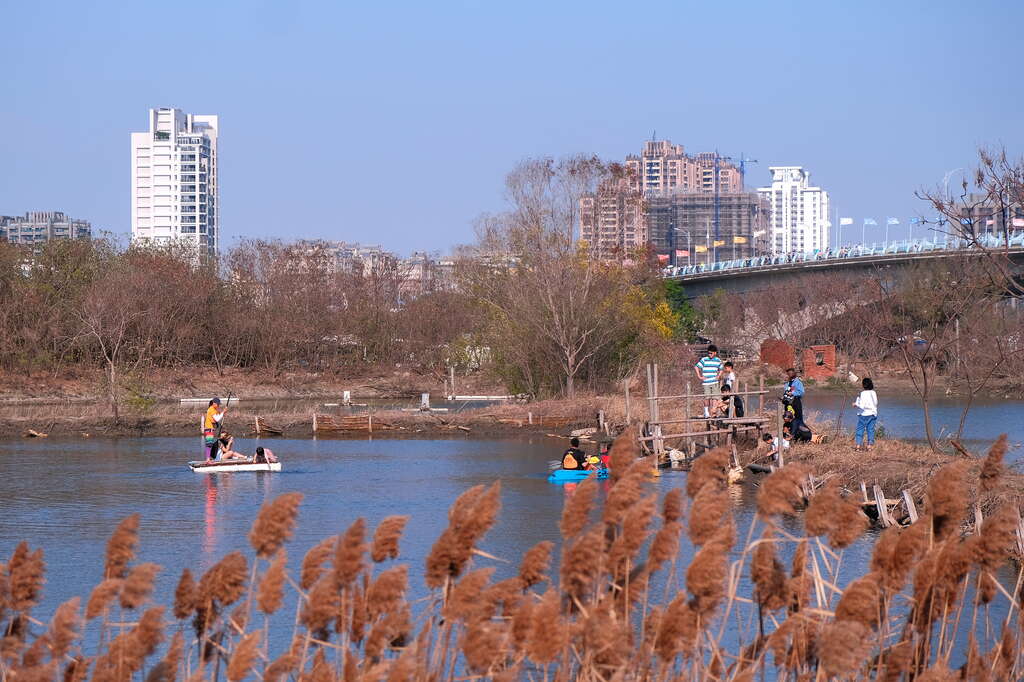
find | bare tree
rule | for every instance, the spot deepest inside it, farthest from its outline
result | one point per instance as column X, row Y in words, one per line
column 549, row 308
column 109, row 312
column 988, row 203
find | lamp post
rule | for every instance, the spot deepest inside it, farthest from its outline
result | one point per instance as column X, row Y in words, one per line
column 945, row 183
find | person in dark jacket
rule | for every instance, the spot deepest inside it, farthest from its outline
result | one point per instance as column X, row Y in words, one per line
column 574, row 458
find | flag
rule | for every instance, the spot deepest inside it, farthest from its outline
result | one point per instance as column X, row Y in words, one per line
column 846, row 221
column 870, row 221
column 739, row 240
column 892, row 221
column 662, row 257
column 682, row 253
column 915, row 221
column 702, row 249
column 719, row 242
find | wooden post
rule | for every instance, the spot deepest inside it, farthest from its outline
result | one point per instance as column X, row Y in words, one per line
column 689, row 411
column 600, row 420
column 314, row 423
column 257, row 425
column 883, row 508
column 451, row 381
column 977, row 519
column 760, row 396
column 369, row 422
column 625, row 386
column 908, row 501
column 864, row 491
column 778, row 425
column 529, row 417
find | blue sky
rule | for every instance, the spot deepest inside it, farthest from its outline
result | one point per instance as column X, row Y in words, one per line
column 395, row 122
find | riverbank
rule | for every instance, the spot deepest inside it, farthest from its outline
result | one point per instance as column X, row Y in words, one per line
column 160, row 385
column 896, row 465
column 296, row 421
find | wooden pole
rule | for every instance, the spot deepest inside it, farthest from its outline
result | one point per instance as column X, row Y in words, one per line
column 760, row 397
column 314, row 423
column 911, row 509
column 778, row 425
column 451, row 371
column 625, row 386
column 369, row 422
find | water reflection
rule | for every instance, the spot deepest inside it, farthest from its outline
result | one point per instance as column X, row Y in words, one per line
column 210, row 527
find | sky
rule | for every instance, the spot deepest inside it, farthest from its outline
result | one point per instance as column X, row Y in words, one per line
column 395, row 123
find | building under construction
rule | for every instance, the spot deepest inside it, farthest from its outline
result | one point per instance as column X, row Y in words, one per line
column 683, row 228
column 612, row 222
column 687, row 209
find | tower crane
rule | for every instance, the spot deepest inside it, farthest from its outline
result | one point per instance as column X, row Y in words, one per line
column 742, row 161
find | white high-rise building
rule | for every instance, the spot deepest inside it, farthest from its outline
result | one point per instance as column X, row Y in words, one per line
column 174, row 180
column 799, row 220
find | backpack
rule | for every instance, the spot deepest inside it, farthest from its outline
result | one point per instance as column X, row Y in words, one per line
column 569, row 461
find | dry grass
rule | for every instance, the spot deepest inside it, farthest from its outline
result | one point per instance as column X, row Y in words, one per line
column 896, row 465
column 612, row 611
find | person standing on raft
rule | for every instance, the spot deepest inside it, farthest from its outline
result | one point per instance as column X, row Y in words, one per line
column 211, row 428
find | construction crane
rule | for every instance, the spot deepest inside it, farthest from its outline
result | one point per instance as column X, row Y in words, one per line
column 742, row 161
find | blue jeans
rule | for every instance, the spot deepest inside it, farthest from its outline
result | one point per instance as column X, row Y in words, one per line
column 866, row 424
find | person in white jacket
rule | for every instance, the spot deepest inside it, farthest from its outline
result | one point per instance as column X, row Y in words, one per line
column 867, row 403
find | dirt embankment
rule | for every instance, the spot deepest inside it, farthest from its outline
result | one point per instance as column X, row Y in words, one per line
column 552, row 416
column 75, row 385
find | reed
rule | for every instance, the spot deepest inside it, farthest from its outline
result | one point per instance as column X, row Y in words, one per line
column 624, row 603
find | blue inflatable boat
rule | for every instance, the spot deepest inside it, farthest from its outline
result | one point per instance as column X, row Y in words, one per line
column 570, row 475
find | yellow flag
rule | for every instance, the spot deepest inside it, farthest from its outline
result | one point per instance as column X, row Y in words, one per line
column 702, row 249
column 719, row 242
column 739, row 240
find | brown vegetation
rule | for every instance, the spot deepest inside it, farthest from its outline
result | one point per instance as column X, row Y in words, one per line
column 611, row 613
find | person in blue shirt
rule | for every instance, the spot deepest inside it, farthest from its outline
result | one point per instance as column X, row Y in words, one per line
column 795, row 395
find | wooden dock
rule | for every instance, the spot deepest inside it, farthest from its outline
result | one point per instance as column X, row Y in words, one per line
column 690, row 433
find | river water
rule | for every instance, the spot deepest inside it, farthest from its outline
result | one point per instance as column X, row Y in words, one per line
column 66, row 496
column 901, row 417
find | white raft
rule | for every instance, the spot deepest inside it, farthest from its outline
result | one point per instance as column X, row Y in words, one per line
column 230, row 465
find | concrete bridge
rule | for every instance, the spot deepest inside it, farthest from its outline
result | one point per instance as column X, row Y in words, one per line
column 759, row 273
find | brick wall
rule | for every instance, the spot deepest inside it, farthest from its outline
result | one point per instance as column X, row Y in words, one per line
column 777, row 353
column 819, row 362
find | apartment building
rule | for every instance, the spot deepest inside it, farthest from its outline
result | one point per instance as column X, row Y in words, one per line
column 617, row 217
column 663, row 166
column 38, row 227
column 174, row 181
column 984, row 214
column 612, row 221
column 799, row 211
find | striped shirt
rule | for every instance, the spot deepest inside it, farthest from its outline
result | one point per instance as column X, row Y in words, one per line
column 709, row 368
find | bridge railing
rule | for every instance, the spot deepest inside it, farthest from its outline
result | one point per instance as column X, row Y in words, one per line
column 1016, row 240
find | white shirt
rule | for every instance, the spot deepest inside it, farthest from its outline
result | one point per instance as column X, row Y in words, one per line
column 867, row 401
column 785, row 443
column 730, row 378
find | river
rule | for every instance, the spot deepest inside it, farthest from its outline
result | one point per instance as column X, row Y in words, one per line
column 66, row 496
column 900, row 415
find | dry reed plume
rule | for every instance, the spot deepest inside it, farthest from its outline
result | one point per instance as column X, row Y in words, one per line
column 614, row 611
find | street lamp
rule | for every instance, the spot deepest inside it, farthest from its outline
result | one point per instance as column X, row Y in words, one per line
column 945, row 183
